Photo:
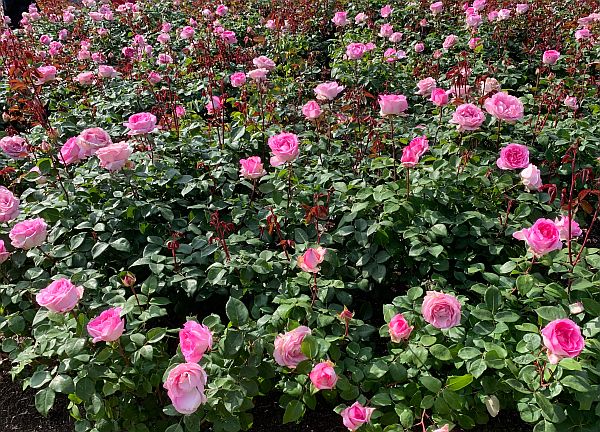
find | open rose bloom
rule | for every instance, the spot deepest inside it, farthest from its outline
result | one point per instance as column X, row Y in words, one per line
column 9, row 205
column 185, row 387
column 60, row 296
column 288, row 347
column 194, row 340
column 252, row 168
column 310, row 260
column 108, row 326
column 441, row 310
column 513, row 156
column 323, row 376
column 356, row 415
column 399, row 328
column 284, row 147
column 141, row 123
column 542, row 237
column 29, row 233
column 562, row 338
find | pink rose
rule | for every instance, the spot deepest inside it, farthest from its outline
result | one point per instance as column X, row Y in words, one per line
column 113, row 157
column 85, row 78
column 474, row 43
column 479, row 4
column 9, row 205
column 14, row 146
column 390, row 55
column 542, row 237
column 439, row 97
column 396, row 37
column 504, row 107
column 468, row 117
column 563, row 339
column 141, row 123
column 194, row 339
column 355, row 51
column 264, row 62
column 340, row 19
column 513, row 156
column 522, row 8
column 323, row 376
column 163, row 38
column 311, row 110
column 386, row 30
column 270, row 24
column 492, row 16
column 474, row 20
column 503, row 14
column 531, row 178
column 187, row 32
column 222, row 10
column 441, row 310
column 444, row 428
column 419, row 145
column 309, row 261
column 562, row 224
column 108, row 326
column 328, row 90
column 229, row 37
column 436, row 7
column 46, row 74
column 258, row 75
column 92, row 139
column 185, row 387
column 105, row 71
column 154, row 77
column 409, row 157
column 28, row 233
column 571, row 102
column 489, row 85
column 214, row 105
column 583, row 33
column 550, row 57
column 252, row 168
column 356, row 415
column 60, row 296
column 4, row 254
column 386, row 11
column 399, row 329
column 284, row 147
column 288, row 347
column 426, row 86
column 70, row 152
column 450, row 41
column 164, row 59
column 166, row 27
column 391, row 104
column 238, row 79
column 360, row 18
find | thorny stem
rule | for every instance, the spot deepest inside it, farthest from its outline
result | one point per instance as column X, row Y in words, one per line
column 407, row 182
column 315, row 290
column 393, row 148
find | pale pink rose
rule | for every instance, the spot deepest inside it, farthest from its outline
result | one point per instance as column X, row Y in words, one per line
column 492, row 16
column 531, row 178
column 444, row 428
column 222, row 10
column 474, row 43
column 426, row 86
column 370, row 46
column 258, row 75
column 92, row 139
column 450, row 41
column 70, row 152
column 154, row 77
column 436, row 7
column 386, row 30
column 419, row 145
column 309, row 261
column 100, row 58
column 386, row 11
column 60, row 296
column 468, row 117
column 270, row 24
column 46, row 74
column 68, row 17
column 441, row 310
column 187, row 32
column 107, row 327
column 489, row 85
column 542, row 237
column 390, row 55
column 356, row 415
column 28, row 233
column 323, row 376
column 141, row 123
column 562, row 338
column 163, row 38
column 328, row 90
column 355, row 51
column 237, row 79
column 479, row 4
column 576, row 308
column 166, row 27
column 396, row 37
column 264, row 62
column 562, row 224
column 340, row 19
column 504, row 14
column 164, row 59
column 474, row 20
column 83, row 54
column 252, row 168
column 63, row 34
column 105, row 71
column 185, row 387
column 85, row 78
column 583, row 33
column 194, row 340
column 214, row 105
column 113, row 157
column 360, row 18
column 9, row 205
column 391, row 104
column 419, row 47
column 229, row 37
column 439, row 97
column 311, row 110
column 14, row 146
column 288, row 347
column 513, row 156
column 571, row 102
column 550, row 57
column 399, row 329
column 504, row 107
column 4, row 254
column 522, row 8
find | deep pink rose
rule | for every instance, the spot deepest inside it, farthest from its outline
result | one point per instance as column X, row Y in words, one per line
column 355, row 50
column 222, row 10
column 14, row 146
column 441, row 310
column 154, row 77
column 60, row 296
column 311, row 110
column 85, row 78
column 409, row 158
column 399, row 329
column 185, row 387
column 28, row 233
column 46, row 74
column 419, row 145
column 439, row 97
column 468, row 117
column 542, row 237
column 252, row 168
column 9, row 205
column 141, row 123
column 194, row 339
column 108, row 326
column 70, row 152
column 113, row 157
column 92, row 139
column 562, row 223
column 264, row 62
column 356, row 415
column 284, row 147
column 288, row 347
column 474, row 43
column 392, row 104
column 419, row 47
column 563, row 339
column 323, row 376
column 340, row 19
column 504, row 107
column 309, row 261
column 426, row 86
column 4, row 254
column 238, row 79
column 328, row 90
column 550, row 57
column 531, row 178
column 513, row 156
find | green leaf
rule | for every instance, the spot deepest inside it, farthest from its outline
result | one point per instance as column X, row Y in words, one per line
column 550, row 313
column 467, row 353
column 156, row 334
column 98, row 248
column 570, row 364
column 84, row 388
column 293, row 411
column 39, row 378
column 477, row 368
column 577, row 383
column 440, row 352
column 44, row 400
column 174, row 428
column 493, row 298
column 456, row 383
column 310, row 346
column 236, row 312
column 431, row 383
column 121, row 245
column 552, row 413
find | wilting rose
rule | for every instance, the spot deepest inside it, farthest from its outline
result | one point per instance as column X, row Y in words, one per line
column 4, row 254
column 531, row 178
column 542, row 237
column 399, row 329
column 60, row 296
column 237, row 79
column 504, row 107
column 284, row 147
column 185, row 387
column 9, row 205
column 468, row 117
column 14, row 146
column 550, row 57
column 328, row 90
column 264, row 62
column 28, row 233
column 489, row 85
column 513, row 156
column 252, row 168
column 141, row 123
column 441, row 310
column 392, row 104
column 562, row 338
column 562, row 223
column 113, row 157
column 92, row 139
column 107, row 327
column 356, row 415
column 194, row 339
column 311, row 110
column 340, row 19
column 309, row 261
column 439, row 97
column 288, row 347
column 323, row 376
